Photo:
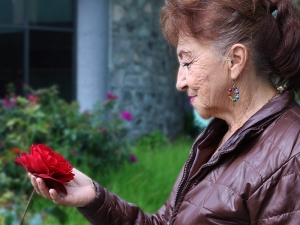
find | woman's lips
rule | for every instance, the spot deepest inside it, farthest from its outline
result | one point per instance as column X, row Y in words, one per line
column 192, row 98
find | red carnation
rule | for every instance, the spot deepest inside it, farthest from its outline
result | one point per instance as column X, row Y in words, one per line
column 43, row 162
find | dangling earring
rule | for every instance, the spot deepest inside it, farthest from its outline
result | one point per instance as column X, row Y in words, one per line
column 237, row 93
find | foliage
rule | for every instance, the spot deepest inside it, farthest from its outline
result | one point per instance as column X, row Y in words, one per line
column 149, row 182
column 90, row 140
column 11, row 210
column 152, row 141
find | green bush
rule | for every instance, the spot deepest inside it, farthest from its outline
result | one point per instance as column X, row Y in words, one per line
column 89, row 140
column 152, row 141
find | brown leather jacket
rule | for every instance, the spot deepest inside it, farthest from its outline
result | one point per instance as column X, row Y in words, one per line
column 253, row 179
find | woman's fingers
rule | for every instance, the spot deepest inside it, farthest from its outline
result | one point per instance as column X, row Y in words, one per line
column 43, row 189
column 34, row 183
column 55, row 196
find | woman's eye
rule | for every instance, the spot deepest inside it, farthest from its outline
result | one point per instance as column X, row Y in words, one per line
column 186, row 64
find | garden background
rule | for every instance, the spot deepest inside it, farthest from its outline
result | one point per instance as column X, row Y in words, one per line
column 132, row 141
column 93, row 141
column 114, row 106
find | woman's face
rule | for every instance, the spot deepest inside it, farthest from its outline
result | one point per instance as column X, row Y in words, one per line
column 204, row 76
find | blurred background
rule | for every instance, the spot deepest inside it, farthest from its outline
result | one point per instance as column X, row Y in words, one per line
column 89, row 48
column 95, row 81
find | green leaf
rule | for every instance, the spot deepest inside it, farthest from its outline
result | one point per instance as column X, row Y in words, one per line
column 11, row 122
column 39, row 114
column 22, row 100
column 42, row 126
column 8, row 219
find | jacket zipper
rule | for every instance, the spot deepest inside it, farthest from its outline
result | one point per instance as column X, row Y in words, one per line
column 201, row 168
column 183, row 178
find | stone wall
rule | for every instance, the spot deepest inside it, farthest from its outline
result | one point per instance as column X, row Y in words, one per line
column 143, row 67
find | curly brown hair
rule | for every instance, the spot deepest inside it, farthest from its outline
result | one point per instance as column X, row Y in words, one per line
column 270, row 31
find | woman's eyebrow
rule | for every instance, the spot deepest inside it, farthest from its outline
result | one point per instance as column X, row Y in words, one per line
column 182, row 53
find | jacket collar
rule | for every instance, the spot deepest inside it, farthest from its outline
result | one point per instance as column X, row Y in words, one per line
column 272, row 110
column 252, row 128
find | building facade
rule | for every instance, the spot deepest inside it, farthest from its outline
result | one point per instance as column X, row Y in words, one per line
column 91, row 47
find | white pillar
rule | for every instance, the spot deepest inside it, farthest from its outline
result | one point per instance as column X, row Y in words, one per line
column 92, row 51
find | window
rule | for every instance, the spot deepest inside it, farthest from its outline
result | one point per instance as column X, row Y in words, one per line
column 37, row 44
column 11, row 58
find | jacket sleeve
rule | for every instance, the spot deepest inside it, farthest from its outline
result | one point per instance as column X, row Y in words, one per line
column 108, row 208
column 277, row 200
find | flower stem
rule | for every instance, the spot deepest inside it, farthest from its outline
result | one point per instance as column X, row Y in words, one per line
column 30, row 198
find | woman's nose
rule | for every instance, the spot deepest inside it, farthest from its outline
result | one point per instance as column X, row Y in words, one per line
column 181, row 84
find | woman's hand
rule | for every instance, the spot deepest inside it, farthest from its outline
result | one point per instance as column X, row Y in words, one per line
column 81, row 190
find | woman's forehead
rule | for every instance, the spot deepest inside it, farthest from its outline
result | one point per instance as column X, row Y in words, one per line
column 188, row 43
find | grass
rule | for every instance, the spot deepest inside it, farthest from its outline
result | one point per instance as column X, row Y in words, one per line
column 146, row 183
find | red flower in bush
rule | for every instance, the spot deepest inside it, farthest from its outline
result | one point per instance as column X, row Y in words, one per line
column 43, row 162
column 126, row 115
column 133, row 158
column 111, row 96
column 9, row 102
column 33, row 98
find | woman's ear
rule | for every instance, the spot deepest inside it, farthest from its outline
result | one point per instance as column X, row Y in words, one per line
column 239, row 57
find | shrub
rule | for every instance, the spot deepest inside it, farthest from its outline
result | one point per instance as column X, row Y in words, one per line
column 89, row 140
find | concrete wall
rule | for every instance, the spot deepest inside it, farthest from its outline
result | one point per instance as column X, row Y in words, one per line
column 120, row 49
column 143, row 68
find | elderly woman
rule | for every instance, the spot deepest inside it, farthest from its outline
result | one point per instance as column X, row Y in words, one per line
column 239, row 63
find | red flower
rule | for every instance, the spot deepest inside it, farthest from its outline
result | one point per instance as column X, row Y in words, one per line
column 9, row 102
column 33, row 98
column 111, row 96
column 133, row 158
column 43, row 162
column 126, row 115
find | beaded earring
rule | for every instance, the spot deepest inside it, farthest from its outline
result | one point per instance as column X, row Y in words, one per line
column 237, row 93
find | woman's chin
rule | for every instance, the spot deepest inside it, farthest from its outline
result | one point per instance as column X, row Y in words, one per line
column 203, row 110
column 204, row 114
